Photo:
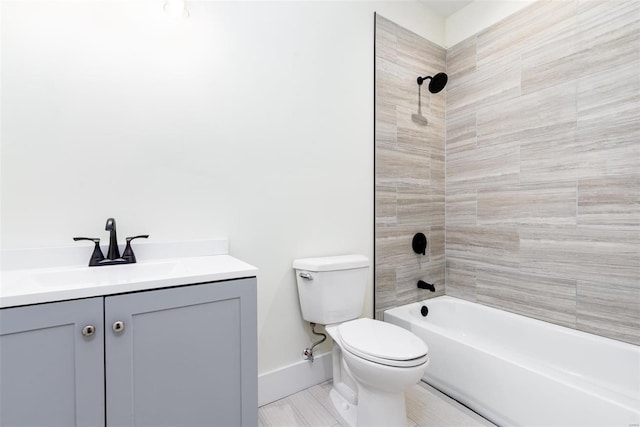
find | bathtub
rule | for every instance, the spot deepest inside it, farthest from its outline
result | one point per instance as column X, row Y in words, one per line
column 518, row 371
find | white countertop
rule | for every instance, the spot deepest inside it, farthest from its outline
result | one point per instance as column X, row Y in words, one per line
column 23, row 286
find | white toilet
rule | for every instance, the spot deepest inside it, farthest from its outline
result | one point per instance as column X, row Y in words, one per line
column 374, row 362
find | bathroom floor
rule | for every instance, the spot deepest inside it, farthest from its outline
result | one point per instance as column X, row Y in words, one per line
column 426, row 407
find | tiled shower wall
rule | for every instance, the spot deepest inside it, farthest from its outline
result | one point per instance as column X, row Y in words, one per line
column 409, row 167
column 543, row 167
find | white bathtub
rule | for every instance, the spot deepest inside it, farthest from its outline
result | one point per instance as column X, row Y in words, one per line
column 515, row 370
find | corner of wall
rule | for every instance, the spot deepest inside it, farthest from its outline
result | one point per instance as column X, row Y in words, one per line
column 415, row 17
column 478, row 16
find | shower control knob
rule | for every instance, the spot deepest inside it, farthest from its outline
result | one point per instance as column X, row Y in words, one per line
column 419, row 243
column 118, row 326
column 88, row 330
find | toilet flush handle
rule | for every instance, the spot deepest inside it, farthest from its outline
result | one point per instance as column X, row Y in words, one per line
column 306, row 275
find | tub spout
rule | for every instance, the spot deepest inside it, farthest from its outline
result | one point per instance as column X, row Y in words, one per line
column 424, row 285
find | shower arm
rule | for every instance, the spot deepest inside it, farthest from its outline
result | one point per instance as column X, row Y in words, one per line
column 422, row 79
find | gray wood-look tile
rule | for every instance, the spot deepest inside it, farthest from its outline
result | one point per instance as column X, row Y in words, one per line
column 609, row 309
column 461, row 206
column 485, row 87
column 461, row 132
column 426, row 407
column 460, row 279
column 611, row 96
column 609, row 34
column 610, row 202
column 461, row 59
column 586, row 253
column 533, row 25
column 436, row 243
column 402, row 166
column 484, row 166
column 386, row 204
column 484, row 245
column 559, row 155
column 419, row 206
column 538, row 110
column 417, row 54
column 528, row 204
column 410, row 135
column 386, row 39
column 387, row 83
column 545, row 51
column 385, row 287
column 539, row 296
column 616, row 145
column 410, row 165
column 386, row 128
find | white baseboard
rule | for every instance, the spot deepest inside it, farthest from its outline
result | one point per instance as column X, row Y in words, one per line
column 285, row 381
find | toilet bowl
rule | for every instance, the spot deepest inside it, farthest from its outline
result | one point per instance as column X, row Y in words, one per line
column 383, row 361
column 374, row 362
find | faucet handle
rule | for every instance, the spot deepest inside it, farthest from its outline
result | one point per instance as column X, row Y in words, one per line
column 97, row 256
column 128, row 254
column 141, row 236
column 91, row 239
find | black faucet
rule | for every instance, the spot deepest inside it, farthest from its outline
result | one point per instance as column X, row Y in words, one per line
column 113, row 254
column 424, row 285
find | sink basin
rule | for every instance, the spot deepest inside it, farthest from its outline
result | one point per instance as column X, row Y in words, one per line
column 35, row 276
column 112, row 274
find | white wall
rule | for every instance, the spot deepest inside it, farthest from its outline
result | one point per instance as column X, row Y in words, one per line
column 250, row 120
column 477, row 16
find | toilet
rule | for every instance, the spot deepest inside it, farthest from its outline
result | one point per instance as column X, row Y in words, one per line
column 374, row 362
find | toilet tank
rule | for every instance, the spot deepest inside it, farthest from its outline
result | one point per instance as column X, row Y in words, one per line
column 331, row 289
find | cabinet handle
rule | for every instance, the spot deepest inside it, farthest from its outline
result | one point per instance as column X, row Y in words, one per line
column 118, row 326
column 88, row 330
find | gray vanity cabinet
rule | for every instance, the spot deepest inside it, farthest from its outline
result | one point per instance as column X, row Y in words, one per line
column 184, row 356
column 50, row 373
column 181, row 356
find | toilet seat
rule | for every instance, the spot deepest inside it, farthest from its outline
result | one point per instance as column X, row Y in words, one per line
column 383, row 343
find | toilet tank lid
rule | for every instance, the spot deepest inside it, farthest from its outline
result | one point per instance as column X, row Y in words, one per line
column 340, row 262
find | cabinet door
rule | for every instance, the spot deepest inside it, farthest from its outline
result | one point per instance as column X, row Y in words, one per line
column 184, row 356
column 50, row 373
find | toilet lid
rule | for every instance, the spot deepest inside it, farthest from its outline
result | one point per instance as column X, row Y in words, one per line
column 383, row 343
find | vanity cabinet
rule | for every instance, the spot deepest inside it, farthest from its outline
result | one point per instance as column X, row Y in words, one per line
column 50, row 374
column 182, row 356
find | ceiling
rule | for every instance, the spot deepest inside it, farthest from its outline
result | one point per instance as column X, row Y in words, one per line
column 445, row 8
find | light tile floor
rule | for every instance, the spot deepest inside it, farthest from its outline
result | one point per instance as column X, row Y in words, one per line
column 426, row 407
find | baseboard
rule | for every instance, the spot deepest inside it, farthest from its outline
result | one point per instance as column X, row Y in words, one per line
column 285, row 381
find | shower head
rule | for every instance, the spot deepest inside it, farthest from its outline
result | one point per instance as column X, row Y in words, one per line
column 437, row 82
